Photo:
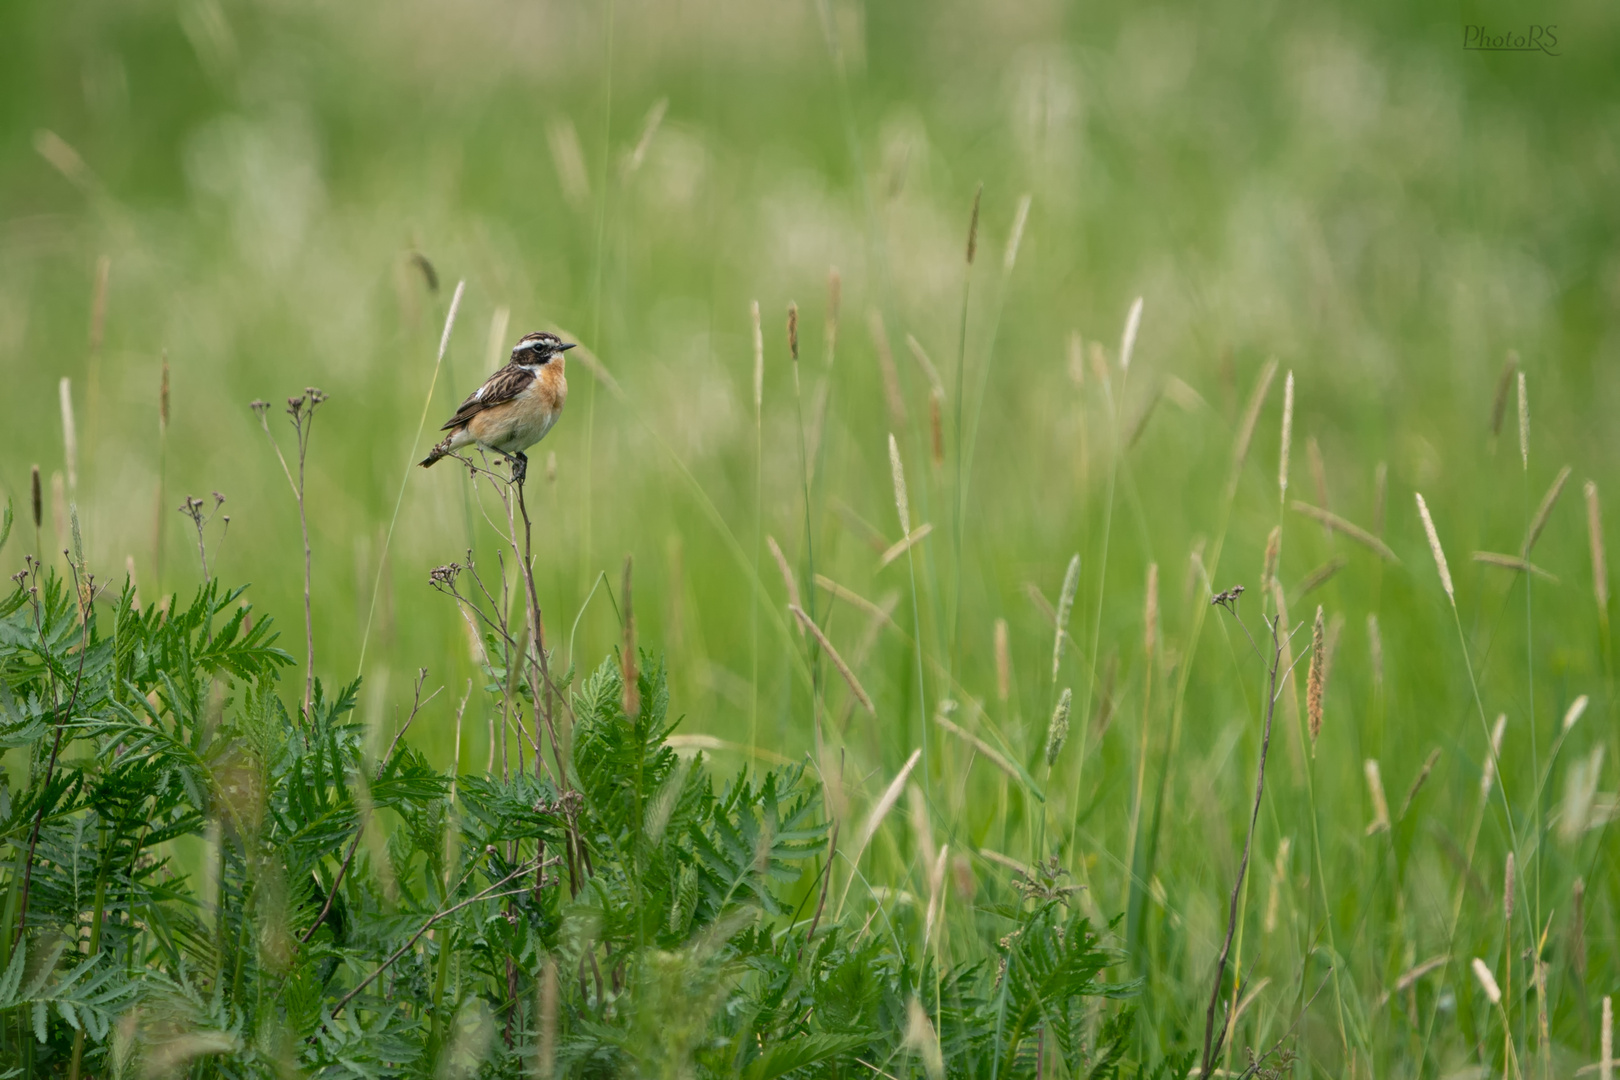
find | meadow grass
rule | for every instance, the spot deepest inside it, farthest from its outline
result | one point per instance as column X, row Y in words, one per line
column 900, row 572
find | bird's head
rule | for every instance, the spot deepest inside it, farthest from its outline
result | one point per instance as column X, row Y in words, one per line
column 539, row 349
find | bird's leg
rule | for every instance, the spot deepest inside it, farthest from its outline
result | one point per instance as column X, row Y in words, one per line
column 520, row 467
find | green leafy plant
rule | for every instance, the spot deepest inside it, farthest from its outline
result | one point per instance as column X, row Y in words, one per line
column 197, row 878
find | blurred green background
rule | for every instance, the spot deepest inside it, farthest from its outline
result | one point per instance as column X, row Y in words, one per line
column 1344, row 189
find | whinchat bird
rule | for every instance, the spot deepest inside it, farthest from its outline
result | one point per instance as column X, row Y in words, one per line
column 515, row 407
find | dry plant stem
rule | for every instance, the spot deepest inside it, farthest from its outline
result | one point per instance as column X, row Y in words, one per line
column 539, row 634
column 50, row 767
column 1248, row 844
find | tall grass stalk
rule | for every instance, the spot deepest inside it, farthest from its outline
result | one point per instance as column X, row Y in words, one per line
column 410, row 463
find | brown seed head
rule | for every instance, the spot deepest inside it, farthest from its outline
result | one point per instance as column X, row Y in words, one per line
column 793, row 331
column 973, row 225
column 37, row 501
column 163, row 395
column 1316, row 681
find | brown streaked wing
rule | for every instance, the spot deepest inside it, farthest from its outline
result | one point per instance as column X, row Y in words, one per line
column 501, row 387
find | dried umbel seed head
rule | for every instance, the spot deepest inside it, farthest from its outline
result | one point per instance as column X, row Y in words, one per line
column 1227, row 599
column 445, row 576
column 1058, row 730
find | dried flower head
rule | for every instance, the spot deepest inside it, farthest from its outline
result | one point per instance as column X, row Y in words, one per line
column 1227, row 599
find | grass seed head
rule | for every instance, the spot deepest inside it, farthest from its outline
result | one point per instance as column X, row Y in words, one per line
column 1606, row 1039
column 627, row 654
column 1488, row 775
column 1316, row 681
column 1507, row 890
column 70, row 433
column 1127, row 342
column 1576, row 708
column 897, row 473
column 1499, row 408
column 1524, row 422
column 1287, row 435
column 1594, row 537
column 1375, row 651
column 1020, row 219
column 1435, row 549
column 793, row 332
column 1375, row 791
column 1544, row 511
column 1417, row 785
column 1058, row 730
column 36, row 500
column 1150, row 613
column 891, row 377
column 973, row 225
column 1487, row 981
column 1251, row 416
column 1071, row 583
column 1268, row 572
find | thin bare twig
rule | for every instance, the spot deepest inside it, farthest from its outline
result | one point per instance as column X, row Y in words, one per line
column 491, row 893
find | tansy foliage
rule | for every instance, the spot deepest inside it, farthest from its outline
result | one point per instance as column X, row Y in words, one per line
column 223, row 886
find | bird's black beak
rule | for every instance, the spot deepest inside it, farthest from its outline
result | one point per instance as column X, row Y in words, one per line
column 566, row 346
